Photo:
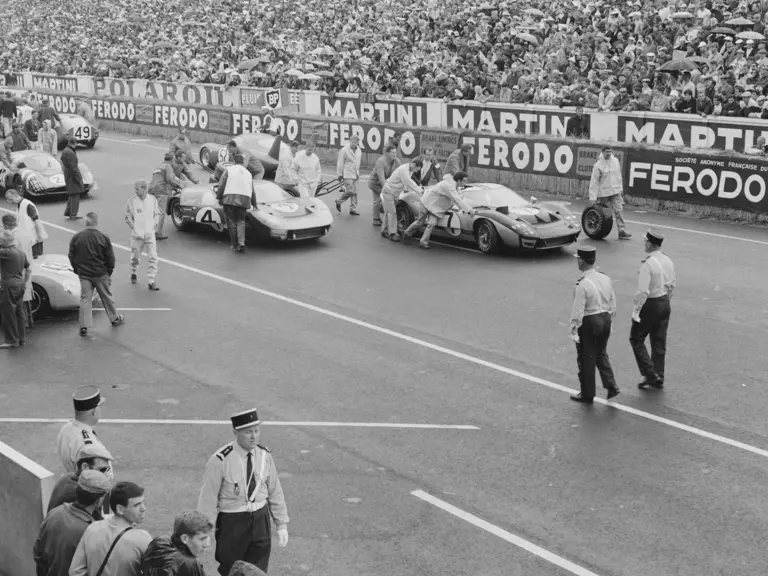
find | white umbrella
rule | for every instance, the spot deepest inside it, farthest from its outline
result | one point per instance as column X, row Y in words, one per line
column 294, row 72
column 750, row 35
column 309, row 77
column 682, row 15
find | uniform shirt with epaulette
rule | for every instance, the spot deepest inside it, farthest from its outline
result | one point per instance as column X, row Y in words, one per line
column 72, row 437
column 224, row 486
column 593, row 294
column 656, row 278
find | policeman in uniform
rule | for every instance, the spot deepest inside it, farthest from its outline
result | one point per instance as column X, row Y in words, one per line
column 79, row 432
column 655, row 286
column 594, row 306
column 241, row 491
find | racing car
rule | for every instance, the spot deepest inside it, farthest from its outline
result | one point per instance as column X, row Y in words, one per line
column 77, row 127
column 55, row 286
column 40, row 174
column 279, row 214
column 266, row 148
column 502, row 218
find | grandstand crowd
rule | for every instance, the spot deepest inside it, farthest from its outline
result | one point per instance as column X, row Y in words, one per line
column 602, row 54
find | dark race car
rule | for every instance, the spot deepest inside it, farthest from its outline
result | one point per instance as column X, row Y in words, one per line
column 77, row 127
column 266, row 148
column 40, row 174
column 502, row 218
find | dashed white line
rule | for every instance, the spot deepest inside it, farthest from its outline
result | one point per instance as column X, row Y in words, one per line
column 447, row 351
column 136, row 309
column 529, row 547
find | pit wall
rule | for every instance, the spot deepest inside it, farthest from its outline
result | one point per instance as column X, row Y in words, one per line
column 709, row 183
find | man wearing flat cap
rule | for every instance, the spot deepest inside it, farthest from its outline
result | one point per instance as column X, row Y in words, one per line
column 79, row 431
column 64, row 526
column 89, row 457
column 594, row 306
column 242, row 492
column 650, row 316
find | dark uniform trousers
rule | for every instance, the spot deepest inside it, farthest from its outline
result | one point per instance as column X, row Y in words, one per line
column 13, row 314
column 591, row 353
column 654, row 321
column 243, row 536
column 235, row 216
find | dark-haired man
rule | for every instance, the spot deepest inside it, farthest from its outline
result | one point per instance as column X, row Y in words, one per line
column 73, row 179
column 237, row 195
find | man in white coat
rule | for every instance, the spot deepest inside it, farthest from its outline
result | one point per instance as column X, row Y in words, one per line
column 306, row 169
column 284, row 176
column 606, row 188
column 348, row 171
column 142, row 214
column 28, row 220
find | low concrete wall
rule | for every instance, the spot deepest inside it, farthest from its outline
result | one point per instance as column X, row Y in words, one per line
column 25, row 488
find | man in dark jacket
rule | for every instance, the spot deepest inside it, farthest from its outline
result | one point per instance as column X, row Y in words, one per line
column 31, row 128
column 14, row 276
column 458, row 161
column 63, row 527
column 73, row 180
column 236, row 194
column 8, row 113
column 178, row 554
column 46, row 112
column 578, row 125
column 90, row 457
column 93, row 260
column 20, row 140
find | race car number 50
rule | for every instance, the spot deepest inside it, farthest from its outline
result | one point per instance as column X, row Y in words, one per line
column 210, row 217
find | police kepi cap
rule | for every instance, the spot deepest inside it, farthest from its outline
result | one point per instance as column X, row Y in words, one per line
column 87, row 398
column 654, row 236
column 245, row 419
column 587, row 253
column 94, row 482
column 95, row 450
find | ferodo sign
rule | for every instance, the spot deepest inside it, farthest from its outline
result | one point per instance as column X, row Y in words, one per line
column 373, row 137
column 181, row 117
column 530, row 156
column 717, row 181
column 63, row 104
column 251, row 124
column 113, row 110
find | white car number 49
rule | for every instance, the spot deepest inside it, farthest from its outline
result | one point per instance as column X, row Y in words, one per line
column 211, row 217
column 83, row 133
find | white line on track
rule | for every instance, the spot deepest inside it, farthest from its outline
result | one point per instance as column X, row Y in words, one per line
column 139, row 139
column 143, row 144
column 136, row 309
column 447, row 351
column 542, row 553
column 393, row 425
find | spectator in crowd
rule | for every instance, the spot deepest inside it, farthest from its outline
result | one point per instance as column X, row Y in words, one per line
column 89, row 457
column 48, row 138
column 163, row 185
column 93, row 260
column 73, row 179
column 64, row 526
column 177, row 555
column 578, row 124
column 115, row 542
column 14, row 276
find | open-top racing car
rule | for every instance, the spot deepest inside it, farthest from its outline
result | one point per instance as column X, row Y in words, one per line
column 279, row 214
column 266, row 148
column 40, row 174
column 77, row 127
column 502, row 218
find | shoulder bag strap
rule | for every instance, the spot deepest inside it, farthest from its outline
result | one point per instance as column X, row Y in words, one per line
column 109, row 553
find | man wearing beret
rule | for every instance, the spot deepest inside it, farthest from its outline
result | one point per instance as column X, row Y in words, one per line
column 79, row 432
column 655, row 286
column 594, row 306
column 64, row 526
column 242, row 492
column 90, row 457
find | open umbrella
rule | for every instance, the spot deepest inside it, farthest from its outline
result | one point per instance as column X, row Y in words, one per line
column 723, row 30
column 320, row 64
column 682, row 15
column 317, row 51
column 294, row 72
column 534, row 12
column 325, row 73
column 257, row 74
column 740, row 22
column 698, row 60
column 309, row 77
column 488, row 7
column 328, row 51
column 750, row 35
column 677, row 66
column 530, row 38
column 248, row 64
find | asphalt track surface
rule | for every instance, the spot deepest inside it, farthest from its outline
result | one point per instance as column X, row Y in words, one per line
column 356, row 329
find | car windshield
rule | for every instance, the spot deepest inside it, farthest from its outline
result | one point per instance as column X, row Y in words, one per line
column 39, row 162
column 495, row 197
column 253, row 141
column 267, row 192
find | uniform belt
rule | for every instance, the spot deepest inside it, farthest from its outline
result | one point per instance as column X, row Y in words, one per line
column 596, row 313
column 251, row 507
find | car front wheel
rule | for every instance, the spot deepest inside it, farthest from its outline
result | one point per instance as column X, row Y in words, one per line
column 597, row 221
column 404, row 217
column 176, row 217
column 487, row 238
column 40, row 304
column 205, row 157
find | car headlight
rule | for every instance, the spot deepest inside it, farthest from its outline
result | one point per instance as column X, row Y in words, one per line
column 523, row 228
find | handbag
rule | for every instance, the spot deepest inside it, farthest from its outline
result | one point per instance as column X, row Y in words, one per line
column 109, row 553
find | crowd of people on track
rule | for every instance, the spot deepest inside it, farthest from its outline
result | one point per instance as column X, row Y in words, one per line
column 602, row 54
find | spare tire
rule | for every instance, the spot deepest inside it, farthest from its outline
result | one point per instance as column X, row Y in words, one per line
column 597, row 221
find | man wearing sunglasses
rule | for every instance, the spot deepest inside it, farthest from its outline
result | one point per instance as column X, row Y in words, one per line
column 90, row 457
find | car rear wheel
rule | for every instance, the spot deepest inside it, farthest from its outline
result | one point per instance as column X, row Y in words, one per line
column 90, row 144
column 40, row 304
column 597, row 221
column 205, row 157
column 404, row 217
column 176, row 216
column 487, row 238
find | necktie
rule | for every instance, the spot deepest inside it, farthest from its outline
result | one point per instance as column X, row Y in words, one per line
column 251, row 485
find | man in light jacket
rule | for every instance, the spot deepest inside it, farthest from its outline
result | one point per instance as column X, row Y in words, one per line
column 142, row 214
column 237, row 194
column 606, row 187
column 163, row 185
column 400, row 181
column 47, row 138
column 459, row 160
column 284, row 177
column 437, row 201
column 348, row 171
column 307, row 170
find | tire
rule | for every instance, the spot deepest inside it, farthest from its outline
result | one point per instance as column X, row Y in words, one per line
column 404, row 216
column 41, row 304
column 486, row 237
column 205, row 157
column 597, row 221
column 90, row 144
column 178, row 220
